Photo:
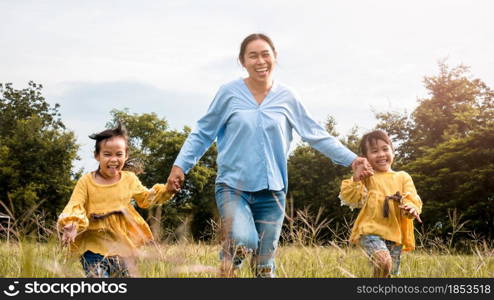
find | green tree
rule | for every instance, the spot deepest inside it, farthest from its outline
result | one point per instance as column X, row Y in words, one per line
column 457, row 174
column 458, row 104
column 36, row 153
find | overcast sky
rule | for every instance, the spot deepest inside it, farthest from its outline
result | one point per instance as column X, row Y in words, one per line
column 345, row 58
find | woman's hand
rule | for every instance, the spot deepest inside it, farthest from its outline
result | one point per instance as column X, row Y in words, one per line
column 361, row 168
column 69, row 233
column 411, row 212
column 176, row 179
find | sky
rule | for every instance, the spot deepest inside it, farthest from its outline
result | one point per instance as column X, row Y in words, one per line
column 346, row 59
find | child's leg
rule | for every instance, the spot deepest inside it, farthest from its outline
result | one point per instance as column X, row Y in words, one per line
column 117, row 267
column 395, row 252
column 382, row 263
column 378, row 253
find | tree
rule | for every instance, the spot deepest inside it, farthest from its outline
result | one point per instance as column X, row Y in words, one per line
column 457, row 174
column 458, row 104
column 36, row 153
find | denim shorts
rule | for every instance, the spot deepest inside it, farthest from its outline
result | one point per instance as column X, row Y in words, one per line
column 98, row 266
column 373, row 243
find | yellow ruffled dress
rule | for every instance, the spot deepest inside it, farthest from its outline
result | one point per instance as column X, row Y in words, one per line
column 120, row 229
column 370, row 194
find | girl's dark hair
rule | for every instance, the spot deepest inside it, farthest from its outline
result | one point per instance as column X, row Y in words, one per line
column 133, row 165
column 108, row 134
column 371, row 138
column 253, row 37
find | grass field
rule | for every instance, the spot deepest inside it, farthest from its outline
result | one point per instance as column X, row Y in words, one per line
column 300, row 254
column 40, row 260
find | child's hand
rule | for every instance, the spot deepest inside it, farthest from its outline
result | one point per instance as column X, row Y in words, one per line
column 172, row 188
column 411, row 212
column 361, row 168
column 69, row 233
column 357, row 171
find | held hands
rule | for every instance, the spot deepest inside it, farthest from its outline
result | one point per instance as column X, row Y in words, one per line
column 69, row 233
column 175, row 179
column 410, row 212
column 361, row 169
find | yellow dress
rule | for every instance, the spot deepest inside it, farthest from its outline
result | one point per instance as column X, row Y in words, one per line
column 119, row 233
column 369, row 195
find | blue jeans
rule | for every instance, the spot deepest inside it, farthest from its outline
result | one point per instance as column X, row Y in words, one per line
column 252, row 223
column 98, row 266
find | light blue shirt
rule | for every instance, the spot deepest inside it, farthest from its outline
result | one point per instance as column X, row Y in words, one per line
column 254, row 139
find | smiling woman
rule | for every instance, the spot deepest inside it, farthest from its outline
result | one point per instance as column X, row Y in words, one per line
column 258, row 57
column 253, row 119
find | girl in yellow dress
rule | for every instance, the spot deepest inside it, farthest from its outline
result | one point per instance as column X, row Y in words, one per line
column 99, row 223
column 388, row 202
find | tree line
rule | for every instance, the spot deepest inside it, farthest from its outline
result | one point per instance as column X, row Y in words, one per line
column 446, row 144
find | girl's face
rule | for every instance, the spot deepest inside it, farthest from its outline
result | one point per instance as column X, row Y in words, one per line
column 380, row 155
column 112, row 156
column 259, row 60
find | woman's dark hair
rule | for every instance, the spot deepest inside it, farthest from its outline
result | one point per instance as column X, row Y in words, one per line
column 253, row 37
column 133, row 165
column 371, row 138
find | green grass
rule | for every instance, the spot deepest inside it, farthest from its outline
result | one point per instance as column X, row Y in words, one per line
column 40, row 260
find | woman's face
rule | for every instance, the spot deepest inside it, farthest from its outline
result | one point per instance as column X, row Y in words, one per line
column 259, row 60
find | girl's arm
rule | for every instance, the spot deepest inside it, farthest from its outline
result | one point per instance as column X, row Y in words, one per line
column 353, row 193
column 411, row 201
column 73, row 219
column 157, row 195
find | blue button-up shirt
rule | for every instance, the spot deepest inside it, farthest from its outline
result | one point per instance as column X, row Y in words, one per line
column 254, row 139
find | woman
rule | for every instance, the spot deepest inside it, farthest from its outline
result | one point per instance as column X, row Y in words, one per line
column 253, row 119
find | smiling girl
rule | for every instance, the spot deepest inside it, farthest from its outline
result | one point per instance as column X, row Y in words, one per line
column 388, row 202
column 99, row 222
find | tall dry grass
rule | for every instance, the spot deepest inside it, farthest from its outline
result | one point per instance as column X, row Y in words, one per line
column 41, row 260
column 34, row 251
